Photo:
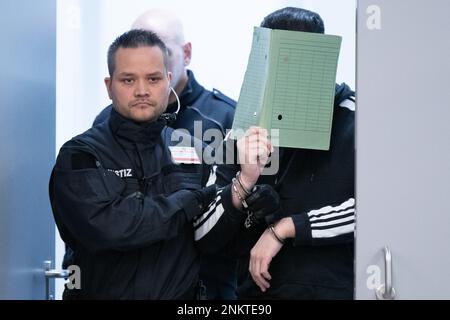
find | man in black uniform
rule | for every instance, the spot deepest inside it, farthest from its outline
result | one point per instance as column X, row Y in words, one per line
column 304, row 250
column 120, row 200
column 125, row 193
column 200, row 111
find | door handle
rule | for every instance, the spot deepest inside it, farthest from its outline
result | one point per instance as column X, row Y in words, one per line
column 52, row 274
column 386, row 291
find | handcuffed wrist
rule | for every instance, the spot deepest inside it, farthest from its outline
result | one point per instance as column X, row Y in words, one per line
column 275, row 234
column 244, row 184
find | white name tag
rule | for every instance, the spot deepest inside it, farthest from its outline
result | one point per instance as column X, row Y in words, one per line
column 186, row 155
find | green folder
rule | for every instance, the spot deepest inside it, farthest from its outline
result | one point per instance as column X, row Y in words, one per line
column 289, row 85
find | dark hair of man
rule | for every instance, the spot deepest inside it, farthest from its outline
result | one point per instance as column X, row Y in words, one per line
column 135, row 39
column 295, row 19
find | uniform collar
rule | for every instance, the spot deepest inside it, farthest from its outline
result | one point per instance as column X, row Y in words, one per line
column 189, row 95
column 131, row 131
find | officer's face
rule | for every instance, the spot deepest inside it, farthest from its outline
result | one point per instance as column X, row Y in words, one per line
column 179, row 58
column 139, row 86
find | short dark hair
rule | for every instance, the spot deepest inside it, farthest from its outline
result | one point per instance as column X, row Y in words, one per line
column 295, row 19
column 135, row 39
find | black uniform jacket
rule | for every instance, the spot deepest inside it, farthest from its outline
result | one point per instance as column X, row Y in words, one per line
column 122, row 200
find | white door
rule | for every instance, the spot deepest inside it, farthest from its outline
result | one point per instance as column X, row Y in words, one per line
column 403, row 148
column 27, row 144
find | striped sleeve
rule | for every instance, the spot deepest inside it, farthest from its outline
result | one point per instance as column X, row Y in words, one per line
column 327, row 225
column 348, row 103
column 210, row 233
column 205, row 222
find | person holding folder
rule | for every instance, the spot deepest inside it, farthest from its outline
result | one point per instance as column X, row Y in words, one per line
column 304, row 248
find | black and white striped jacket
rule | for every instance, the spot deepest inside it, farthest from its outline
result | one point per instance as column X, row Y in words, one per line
column 317, row 190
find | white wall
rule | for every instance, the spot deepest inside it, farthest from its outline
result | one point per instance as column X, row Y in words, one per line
column 220, row 32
